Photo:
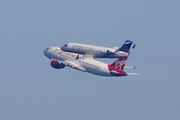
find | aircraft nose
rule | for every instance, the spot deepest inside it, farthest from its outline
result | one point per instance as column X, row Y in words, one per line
column 64, row 47
column 45, row 52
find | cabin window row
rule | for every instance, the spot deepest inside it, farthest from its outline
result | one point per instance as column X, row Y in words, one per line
column 88, row 50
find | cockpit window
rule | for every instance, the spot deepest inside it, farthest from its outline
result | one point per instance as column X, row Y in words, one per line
column 47, row 48
column 65, row 45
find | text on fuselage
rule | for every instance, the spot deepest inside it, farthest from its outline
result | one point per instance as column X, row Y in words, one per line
column 68, row 54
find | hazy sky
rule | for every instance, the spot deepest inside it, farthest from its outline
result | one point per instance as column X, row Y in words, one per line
column 30, row 89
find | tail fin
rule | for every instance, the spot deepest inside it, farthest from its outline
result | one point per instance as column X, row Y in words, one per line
column 126, row 46
column 120, row 63
column 116, row 68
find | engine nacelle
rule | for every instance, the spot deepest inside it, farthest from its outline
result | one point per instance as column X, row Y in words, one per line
column 55, row 64
column 108, row 52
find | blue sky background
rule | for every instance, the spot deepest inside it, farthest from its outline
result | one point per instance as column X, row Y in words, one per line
column 31, row 89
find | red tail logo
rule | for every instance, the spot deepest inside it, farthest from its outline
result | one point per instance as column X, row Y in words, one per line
column 116, row 68
column 120, row 63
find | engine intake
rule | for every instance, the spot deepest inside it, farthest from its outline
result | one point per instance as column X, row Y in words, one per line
column 55, row 64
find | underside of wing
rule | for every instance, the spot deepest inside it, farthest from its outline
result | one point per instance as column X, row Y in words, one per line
column 74, row 65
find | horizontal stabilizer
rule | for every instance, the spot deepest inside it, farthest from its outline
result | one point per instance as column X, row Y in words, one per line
column 131, row 67
column 134, row 46
column 133, row 73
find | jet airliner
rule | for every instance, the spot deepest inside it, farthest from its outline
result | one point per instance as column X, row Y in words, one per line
column 97, row 51
column 60, row 59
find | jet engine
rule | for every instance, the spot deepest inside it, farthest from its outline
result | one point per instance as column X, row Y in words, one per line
column 55, row 64
column 108, row 52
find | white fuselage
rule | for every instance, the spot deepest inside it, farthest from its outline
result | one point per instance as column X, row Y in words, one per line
column 82, row 64
column 94, row 51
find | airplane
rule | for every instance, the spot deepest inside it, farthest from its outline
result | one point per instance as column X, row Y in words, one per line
column 60, row 59
column 97, row 51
